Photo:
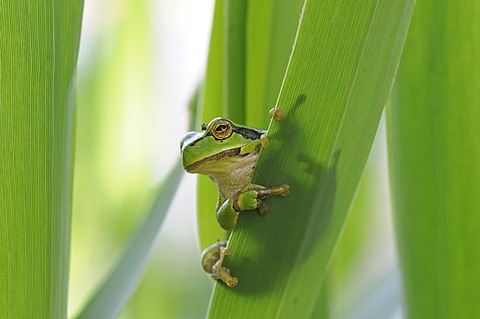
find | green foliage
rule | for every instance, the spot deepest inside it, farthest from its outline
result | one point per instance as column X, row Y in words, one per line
column 38, row 54
column 435, row 155
column 330, row 66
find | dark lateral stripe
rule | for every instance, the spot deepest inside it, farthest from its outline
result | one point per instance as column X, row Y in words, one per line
column 248, row 133
column 216, row 157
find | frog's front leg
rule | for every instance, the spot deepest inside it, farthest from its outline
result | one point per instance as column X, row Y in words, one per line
column 260, row 193
column 212, row 260
column 248, row 198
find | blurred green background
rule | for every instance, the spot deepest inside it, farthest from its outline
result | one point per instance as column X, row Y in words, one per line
column 140, row 62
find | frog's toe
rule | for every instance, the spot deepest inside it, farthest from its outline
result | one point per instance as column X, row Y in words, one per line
column 262, row 208
column 284, row 189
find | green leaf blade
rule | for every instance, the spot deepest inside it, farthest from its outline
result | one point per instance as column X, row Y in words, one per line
column 434, row 161
column 211, row 106
column 271, row 30
column 234, row 59
column 337, row 81
column 38, row 54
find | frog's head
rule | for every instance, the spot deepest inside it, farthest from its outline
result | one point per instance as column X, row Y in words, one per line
column 219, row 145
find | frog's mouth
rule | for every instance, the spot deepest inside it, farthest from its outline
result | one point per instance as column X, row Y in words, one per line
column 216, row 157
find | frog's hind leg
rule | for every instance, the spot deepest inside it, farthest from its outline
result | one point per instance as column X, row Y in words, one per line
column 212, row 260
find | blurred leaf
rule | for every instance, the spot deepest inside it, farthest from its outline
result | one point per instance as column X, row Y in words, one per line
column 113, row 165
column 435, row 156
column 117, row 289
column 211, row 106
column 365, row 251
column 38, row 55
column 338, row 79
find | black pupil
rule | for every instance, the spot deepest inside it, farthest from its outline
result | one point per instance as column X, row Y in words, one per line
column 221, row 127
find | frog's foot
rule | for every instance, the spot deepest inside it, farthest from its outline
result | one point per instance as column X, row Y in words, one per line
column 223, row 273
column 212, row 259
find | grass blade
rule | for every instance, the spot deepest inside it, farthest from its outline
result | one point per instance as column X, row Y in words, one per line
column 271, row 30
column 434, row 161
column 38, row 54
column 234, row 59
column 211, row 106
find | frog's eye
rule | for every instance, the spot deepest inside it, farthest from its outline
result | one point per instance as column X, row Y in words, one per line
column 222, row 130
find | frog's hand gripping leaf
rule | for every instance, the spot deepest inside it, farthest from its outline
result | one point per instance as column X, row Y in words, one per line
column 248, row 198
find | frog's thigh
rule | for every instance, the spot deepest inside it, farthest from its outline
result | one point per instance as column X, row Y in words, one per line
column 226, row 215
column 211, row 255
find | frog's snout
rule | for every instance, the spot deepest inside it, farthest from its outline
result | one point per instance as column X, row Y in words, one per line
column 187, row 139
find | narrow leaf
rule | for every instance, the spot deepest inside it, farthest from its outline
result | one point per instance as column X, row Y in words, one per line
column 234, row 59
column 271, row 30
column 211, row 106
column 38, row 54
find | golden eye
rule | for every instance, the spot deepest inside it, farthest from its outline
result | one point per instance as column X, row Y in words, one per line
column 222, row 130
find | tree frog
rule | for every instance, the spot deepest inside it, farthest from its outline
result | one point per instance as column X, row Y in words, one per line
column 228, row 153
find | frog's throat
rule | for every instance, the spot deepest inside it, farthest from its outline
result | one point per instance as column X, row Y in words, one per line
column 231, row 152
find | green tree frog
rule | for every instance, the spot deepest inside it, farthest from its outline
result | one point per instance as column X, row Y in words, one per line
column 228, row 153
